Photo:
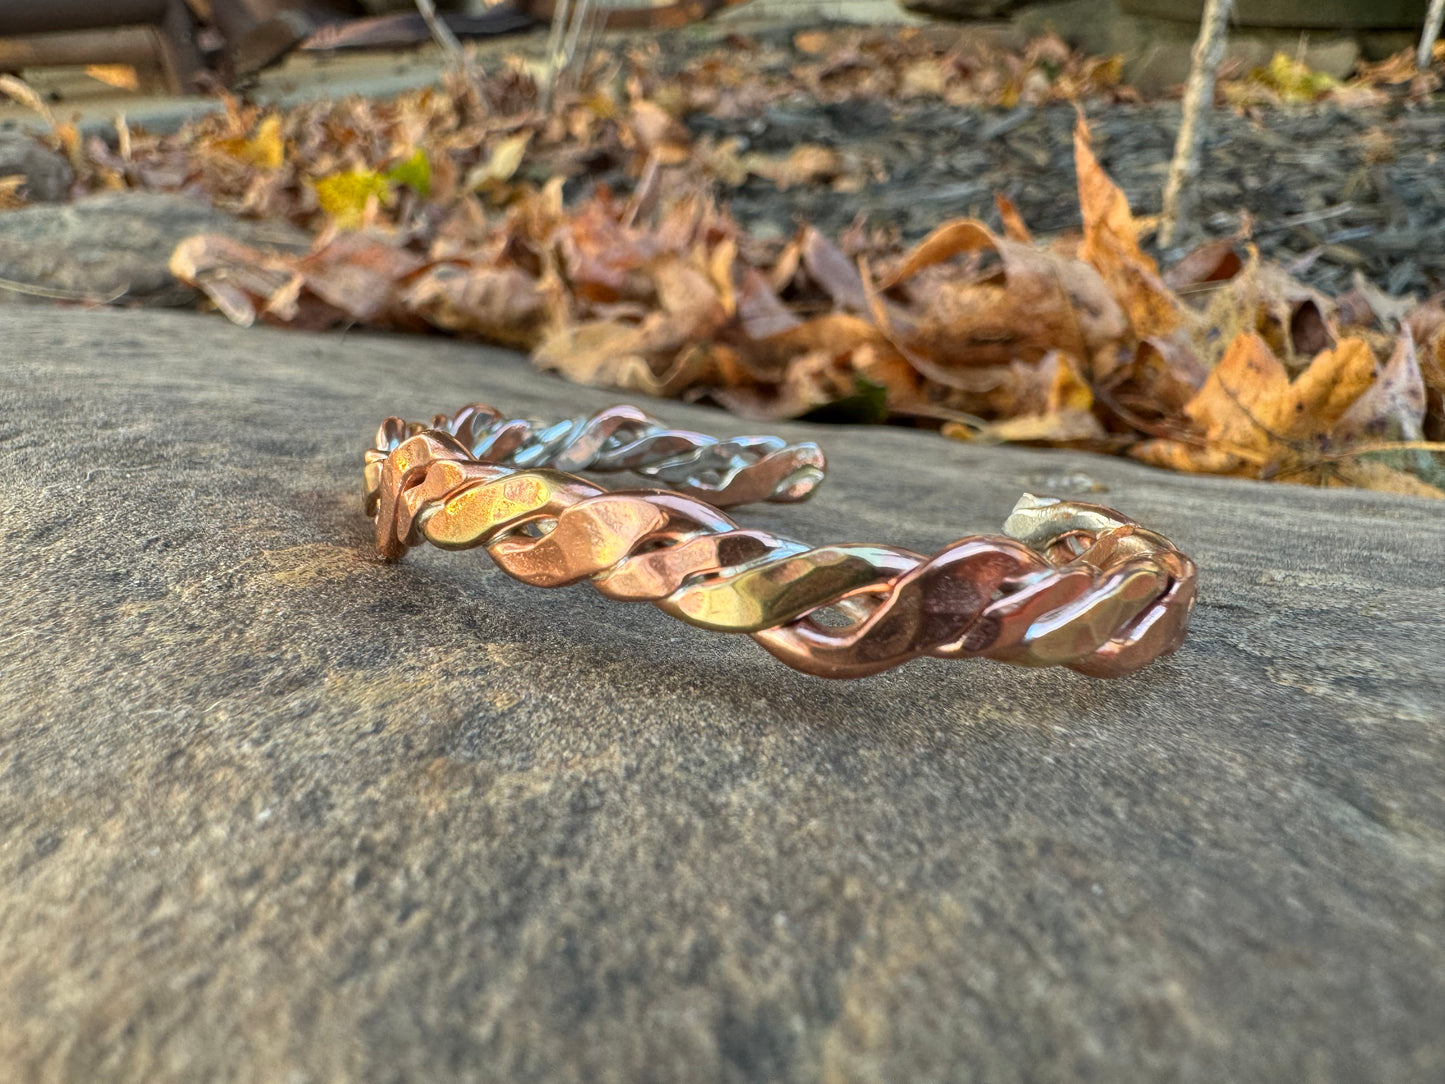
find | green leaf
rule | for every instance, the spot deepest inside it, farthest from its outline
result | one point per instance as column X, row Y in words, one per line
column 414, row 172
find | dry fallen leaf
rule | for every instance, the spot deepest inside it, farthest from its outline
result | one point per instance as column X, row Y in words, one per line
column 265, row 148
column 807, row 163
column 120, row 76
column 1111, row 246
column 661, row 292
column 1254, row 420
column 1033, row 302
column 500, row 304
column 501, row 164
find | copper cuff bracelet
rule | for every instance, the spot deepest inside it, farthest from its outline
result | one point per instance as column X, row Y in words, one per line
column 1072, row 584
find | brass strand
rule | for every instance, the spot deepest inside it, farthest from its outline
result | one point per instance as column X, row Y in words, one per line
column 1073, row 584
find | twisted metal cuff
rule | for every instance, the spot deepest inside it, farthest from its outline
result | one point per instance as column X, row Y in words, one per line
column 1073, row 584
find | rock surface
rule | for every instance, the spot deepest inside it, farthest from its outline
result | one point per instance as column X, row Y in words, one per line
column 270, row 810
column 47, row 174
column 115, row 247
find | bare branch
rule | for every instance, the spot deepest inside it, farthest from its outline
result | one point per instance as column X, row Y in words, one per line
column 1198, row 102
column 1433, row 20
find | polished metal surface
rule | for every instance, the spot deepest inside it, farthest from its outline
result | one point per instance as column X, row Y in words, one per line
column 1070, row 584
column 724, row 473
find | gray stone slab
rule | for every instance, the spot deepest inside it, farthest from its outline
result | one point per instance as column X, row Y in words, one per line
column 271, row 810
column 116, row 247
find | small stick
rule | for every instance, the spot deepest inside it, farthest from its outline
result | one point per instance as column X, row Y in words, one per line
column 1433, row 20
column 583, row 18
column 442, row 33
column 1194, row 119
column 556, row 35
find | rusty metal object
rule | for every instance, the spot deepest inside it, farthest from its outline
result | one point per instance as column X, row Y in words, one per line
column 1072, row 584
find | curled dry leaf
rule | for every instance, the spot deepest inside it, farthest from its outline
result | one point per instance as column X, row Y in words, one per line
column 662, row 354
column 238, row 279
column 501, row 164
column 1392, row 408
column 360, row 276
column 834, row 273
column 658, row 133
column 1013, row 224
column 1032, row 302
column 1211, row 262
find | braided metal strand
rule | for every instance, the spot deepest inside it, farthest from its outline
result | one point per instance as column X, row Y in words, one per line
column 1074, row 584
column 725, row 473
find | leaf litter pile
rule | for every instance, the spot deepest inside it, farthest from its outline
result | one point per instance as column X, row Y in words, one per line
column 466, row 210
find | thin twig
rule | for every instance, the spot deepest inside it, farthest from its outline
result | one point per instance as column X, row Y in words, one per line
column 1433, row 20
column 55, row 293
column 582, row 19
column 556, row 34
column 443, row 34
column 1198, row 102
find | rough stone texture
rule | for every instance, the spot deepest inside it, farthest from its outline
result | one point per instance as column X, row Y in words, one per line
column 273, row 811
column 115, row 246
column 47, row 174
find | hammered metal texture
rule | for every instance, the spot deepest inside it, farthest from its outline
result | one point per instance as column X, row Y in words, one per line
column 1070, row 584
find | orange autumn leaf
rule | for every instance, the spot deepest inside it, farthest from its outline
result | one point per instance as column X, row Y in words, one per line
column 1111, row 245
column 120, row 76
column 265, row 148
column 1013, row 223
column 1254, row 419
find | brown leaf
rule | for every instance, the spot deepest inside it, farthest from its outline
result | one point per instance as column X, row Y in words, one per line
column 760, row 310
column 1265, row 299
column 658, row 132
column 500, row 304
column 807, row 163
column 1213, row 261
column 834, row 272
column 120, row 76
column 1320, row 396
column 239, row 279
column 1251, row 415
column 1036, row 302
column 1392, row 407
column 812, row 380
column 1111, row 245
column 359, row 275
column 618, row 355
column 1054, row 406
